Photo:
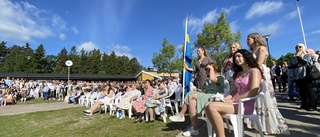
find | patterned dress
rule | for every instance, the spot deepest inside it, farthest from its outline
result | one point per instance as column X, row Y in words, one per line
column 211, row 88
column 140, row 104
column 267, row 108
column 158, row 103
column 201, row 75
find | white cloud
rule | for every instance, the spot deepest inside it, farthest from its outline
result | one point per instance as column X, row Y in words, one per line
column 315, row 32
column 196, row 24
column 291, row 15
column 62, row 36
column 232, row 8
column 120, row 50
column 263, row 8
column 266, row 29
column 23, row 22
column 75, row 29
column 87, row 46
column 234, row 27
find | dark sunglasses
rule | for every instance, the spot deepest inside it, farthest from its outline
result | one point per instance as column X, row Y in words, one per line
column 298, row 47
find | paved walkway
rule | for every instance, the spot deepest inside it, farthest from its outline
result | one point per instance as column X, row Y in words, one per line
column 301, row 123
column 27, row 108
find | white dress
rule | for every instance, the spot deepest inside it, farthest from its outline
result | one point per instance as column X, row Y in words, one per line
column 271, row 119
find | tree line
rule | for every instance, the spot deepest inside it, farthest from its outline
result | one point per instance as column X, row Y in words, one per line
column 23, row 59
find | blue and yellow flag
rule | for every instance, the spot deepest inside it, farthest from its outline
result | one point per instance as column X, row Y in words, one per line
column 188, row 61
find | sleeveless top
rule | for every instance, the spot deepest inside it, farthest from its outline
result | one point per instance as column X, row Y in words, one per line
column 243, row 85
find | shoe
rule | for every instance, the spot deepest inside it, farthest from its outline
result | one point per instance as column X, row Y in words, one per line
column 86, row 111
column 122, row 117
column 138, row 120
column 176, row 118
column 89, row 114
column 191, row 132
column 150, row 121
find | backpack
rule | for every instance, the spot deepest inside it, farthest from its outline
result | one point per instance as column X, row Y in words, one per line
column 315, row 70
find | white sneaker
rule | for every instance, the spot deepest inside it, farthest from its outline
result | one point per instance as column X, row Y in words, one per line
column 86, row 111
column 191, row 132
column 88, row 114
column 176, row 118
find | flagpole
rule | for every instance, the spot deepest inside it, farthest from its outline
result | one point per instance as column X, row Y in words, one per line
column 304, row 37
column 184, row 60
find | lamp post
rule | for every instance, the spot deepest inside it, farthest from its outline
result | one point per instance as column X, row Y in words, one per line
column 69, row 63
column 267, row 40
column 28, row 57
column 304, row 37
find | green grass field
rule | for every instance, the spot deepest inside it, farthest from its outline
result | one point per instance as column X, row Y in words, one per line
column 73, row 123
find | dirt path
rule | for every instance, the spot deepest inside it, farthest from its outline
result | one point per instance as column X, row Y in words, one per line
column 27, row 108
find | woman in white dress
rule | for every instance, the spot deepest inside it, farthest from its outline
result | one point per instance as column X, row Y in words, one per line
column 271, row 119
column 127, row 98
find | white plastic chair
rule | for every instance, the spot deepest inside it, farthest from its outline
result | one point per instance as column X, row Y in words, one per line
column 237, row 119
column 109, row 104
column 87, row 101
column 94, row 98
column 226, row 87
column 130, row 108
column 83, row 98
column 177, row 92
column 166, row 103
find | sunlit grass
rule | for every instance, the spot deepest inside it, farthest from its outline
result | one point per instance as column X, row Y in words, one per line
column 73, row 123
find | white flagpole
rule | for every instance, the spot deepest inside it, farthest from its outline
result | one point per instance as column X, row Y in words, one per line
column 184, row 60
column 304, row 37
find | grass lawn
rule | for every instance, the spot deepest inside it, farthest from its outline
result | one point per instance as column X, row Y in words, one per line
column 73, row 123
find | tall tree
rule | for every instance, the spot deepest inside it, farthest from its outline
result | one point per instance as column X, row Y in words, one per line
column 3, row 53
column 217, row 38
column 62, row 57
column 40, row 60
column 51, row 63
column 74, row 57
column 163, row 60
column 135, row 66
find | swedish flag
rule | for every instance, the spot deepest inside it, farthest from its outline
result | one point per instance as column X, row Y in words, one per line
column 188, row 61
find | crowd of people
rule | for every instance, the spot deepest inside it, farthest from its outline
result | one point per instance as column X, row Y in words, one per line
column 244, row 70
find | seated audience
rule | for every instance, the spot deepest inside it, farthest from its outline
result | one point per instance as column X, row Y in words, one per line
column 127, row 98
column 108, row 93
column 139, row 105
column 157, row 101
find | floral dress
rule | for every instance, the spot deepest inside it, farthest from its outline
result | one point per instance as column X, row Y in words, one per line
column 211, row 88
column 140, row 104
column 201, row 74
column 158, row 103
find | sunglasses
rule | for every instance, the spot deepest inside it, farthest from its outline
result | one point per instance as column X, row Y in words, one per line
column 298, row 47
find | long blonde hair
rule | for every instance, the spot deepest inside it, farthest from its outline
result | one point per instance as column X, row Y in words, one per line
column 258, row 40
column 237, row 45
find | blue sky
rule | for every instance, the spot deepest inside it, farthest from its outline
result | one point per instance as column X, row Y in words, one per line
column 136, row 28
